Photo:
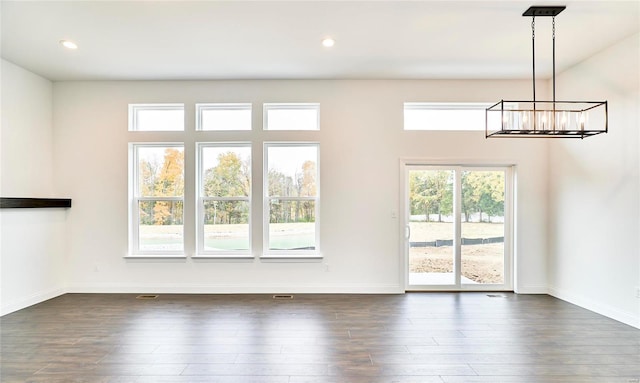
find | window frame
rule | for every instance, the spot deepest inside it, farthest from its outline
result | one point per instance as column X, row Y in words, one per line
column 135, row 108
column 266, row 251
column 200, row 200
column 201, row 107
column 266, row 107
column 135, row 199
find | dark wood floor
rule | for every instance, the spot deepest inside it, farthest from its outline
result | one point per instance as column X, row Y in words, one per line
column 417, row 337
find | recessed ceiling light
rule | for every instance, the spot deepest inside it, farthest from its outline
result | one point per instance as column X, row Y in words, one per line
column 328, row 42
column 68, row 44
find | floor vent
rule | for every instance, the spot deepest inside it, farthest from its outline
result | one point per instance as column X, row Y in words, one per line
column 147, row 296
column 496, row 295
column 283, row 296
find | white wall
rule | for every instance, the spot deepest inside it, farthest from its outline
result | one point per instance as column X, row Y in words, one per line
column 362, row 142
column 594, row 210
column 32, row 241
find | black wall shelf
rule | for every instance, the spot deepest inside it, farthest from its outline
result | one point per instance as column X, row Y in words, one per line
column 26, row 203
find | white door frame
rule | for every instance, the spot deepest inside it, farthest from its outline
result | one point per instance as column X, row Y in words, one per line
column 405, row 166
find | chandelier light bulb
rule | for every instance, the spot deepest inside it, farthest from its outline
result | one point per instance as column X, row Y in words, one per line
column 582, row 121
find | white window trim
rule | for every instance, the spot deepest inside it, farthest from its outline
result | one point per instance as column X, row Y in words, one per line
column 266, row 107
column 135, row 108
column 289, row 254
column 200, row 251
column 200, row 107
column 134, row 233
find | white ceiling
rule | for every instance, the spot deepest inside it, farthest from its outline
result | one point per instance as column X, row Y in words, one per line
column 185, row 40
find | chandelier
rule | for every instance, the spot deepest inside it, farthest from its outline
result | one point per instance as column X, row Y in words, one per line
column 533, row 118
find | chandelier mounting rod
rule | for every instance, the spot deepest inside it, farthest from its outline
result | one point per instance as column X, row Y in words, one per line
column 550, row 11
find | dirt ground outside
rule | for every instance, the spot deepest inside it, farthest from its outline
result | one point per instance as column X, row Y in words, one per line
column 480, row 263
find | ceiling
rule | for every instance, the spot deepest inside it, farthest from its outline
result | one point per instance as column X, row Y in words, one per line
column 196, row 40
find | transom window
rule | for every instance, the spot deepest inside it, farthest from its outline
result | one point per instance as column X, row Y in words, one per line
column 156, row 117
column 300, row 116
column 291, row 203
column 223, row 116
column 444, row 116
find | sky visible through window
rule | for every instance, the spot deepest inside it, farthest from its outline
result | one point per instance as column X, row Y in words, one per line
column 224, row 116
column 292, row 116
column 159, row 119
column 444, row 117
column 288, row 160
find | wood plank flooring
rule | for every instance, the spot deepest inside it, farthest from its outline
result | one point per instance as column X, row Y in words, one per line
column 416, row 337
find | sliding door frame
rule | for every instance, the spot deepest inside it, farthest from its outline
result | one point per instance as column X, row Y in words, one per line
column 407, row 165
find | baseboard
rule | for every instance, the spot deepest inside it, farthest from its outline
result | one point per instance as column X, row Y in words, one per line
column 597, row 307
column 532, row 289
column 19, row 304
column 236, row 289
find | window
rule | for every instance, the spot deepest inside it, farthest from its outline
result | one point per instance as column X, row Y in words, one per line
column 218, row 179
column 223, row 116
column 292, row 116
column 224, row 198
column 157, row 203
column 291, row 202
column 441, row 116
column 156, row 117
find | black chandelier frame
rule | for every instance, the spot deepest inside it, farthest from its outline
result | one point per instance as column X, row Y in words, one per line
column 562, row 119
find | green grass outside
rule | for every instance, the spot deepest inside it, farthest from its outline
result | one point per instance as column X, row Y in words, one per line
column 229, row 237
column 430, row 231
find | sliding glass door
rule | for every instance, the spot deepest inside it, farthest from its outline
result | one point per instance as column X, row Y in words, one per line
column 457, row 227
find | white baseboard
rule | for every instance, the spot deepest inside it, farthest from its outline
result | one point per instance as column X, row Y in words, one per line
column 597, row 307
column 237, row 289
column 19, row 304
column 532, row 289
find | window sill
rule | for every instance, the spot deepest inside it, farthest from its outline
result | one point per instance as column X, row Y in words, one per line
column 311, row 258
column 223, row 256
column 155, row 256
